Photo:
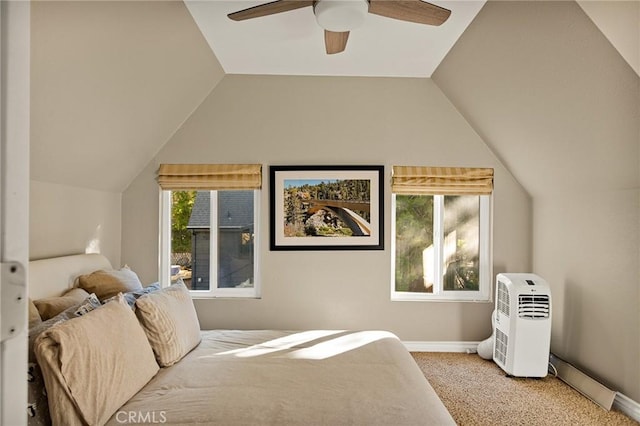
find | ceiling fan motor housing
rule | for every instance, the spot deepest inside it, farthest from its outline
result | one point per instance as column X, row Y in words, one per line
column 340, row 15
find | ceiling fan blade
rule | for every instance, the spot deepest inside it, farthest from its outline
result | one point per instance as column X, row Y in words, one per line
column 335, row 42
column 410, row 10
column 272, row 8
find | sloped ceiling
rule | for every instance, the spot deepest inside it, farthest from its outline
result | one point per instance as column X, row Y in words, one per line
column 110, row 83
column 619, row 21
column 547, row 92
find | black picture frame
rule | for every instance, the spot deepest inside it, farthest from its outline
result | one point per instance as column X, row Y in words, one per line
column 317, row 216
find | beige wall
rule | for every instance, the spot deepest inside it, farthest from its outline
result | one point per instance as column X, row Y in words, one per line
column 588, row 245
column 69, row 220
column 545, row 88
column 312, row 120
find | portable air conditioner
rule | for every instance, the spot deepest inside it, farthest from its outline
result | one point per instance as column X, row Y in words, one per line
column 522, row 325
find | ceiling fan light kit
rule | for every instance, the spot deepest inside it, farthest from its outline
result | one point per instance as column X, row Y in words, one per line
column 338, row 17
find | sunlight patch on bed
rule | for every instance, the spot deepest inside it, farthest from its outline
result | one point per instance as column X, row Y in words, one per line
column 282, row 343
column 339, row 345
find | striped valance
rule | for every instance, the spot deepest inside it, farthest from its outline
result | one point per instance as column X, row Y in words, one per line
column 210, row 176
column 441, row 180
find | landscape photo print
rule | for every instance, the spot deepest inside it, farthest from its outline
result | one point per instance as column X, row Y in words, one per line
column 326, row 207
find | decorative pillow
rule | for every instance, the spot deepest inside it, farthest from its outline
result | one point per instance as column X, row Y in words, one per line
column 34, row 315
column 37, row 406
column 132, row 296
column 49, row 307
column 108, row 283
column 169, row 319
column 122, row 362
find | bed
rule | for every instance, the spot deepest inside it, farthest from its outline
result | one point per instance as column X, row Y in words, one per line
column 230, row 377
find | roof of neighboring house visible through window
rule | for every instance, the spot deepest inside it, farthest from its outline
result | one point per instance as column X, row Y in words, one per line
column 235, row 210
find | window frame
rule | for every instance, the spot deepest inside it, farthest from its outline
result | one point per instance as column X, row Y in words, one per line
column 214, row 291
column 485, row 264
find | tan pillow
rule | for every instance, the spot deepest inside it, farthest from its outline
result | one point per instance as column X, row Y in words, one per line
column 170, row 321
column 49, row 307
column 119, row 363
column 34, row 315
column 38, row 406
column 108, row 283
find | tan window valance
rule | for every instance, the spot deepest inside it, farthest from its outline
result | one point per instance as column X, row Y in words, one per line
column 210, row 176
column 441, row 180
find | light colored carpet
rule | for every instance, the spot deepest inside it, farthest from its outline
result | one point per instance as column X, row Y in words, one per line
column 477, row 392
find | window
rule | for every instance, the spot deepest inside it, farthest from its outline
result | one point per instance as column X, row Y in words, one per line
column 441, row 234
column 209, row 236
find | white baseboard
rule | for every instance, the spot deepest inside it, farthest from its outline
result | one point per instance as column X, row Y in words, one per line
column 628, row 406
column 582, row 382
column 594, row 390
column 416, row 346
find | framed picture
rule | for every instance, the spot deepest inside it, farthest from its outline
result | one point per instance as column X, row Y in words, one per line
column 326, row 207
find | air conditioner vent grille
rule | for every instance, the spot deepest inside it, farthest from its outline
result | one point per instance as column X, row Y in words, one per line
column 501, row 345
column 503, row 298
column 533, row 306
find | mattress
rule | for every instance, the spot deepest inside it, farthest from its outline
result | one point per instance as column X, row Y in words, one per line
column 268, row 377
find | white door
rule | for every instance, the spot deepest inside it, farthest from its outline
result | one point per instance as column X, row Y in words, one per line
column 14, row 208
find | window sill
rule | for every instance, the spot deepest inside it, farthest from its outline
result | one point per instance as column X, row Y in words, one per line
column 422, row 298
column 223, row 297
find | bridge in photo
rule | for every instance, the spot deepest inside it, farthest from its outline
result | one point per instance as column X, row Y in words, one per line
column 346, row 211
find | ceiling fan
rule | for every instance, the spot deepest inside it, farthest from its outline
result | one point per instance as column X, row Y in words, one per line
column 338, row 17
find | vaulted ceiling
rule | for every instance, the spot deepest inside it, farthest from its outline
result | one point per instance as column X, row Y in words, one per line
column 291, row 43
column 112, row 81
column 546, row 91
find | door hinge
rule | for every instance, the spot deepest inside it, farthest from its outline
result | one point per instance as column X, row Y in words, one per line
column 13, row 299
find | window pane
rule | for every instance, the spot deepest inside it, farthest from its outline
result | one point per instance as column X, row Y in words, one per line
column 235, row 239
column 199, row 228
column 461, row 242
column 414, row 243
column 212, row 241
column 181, row 235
